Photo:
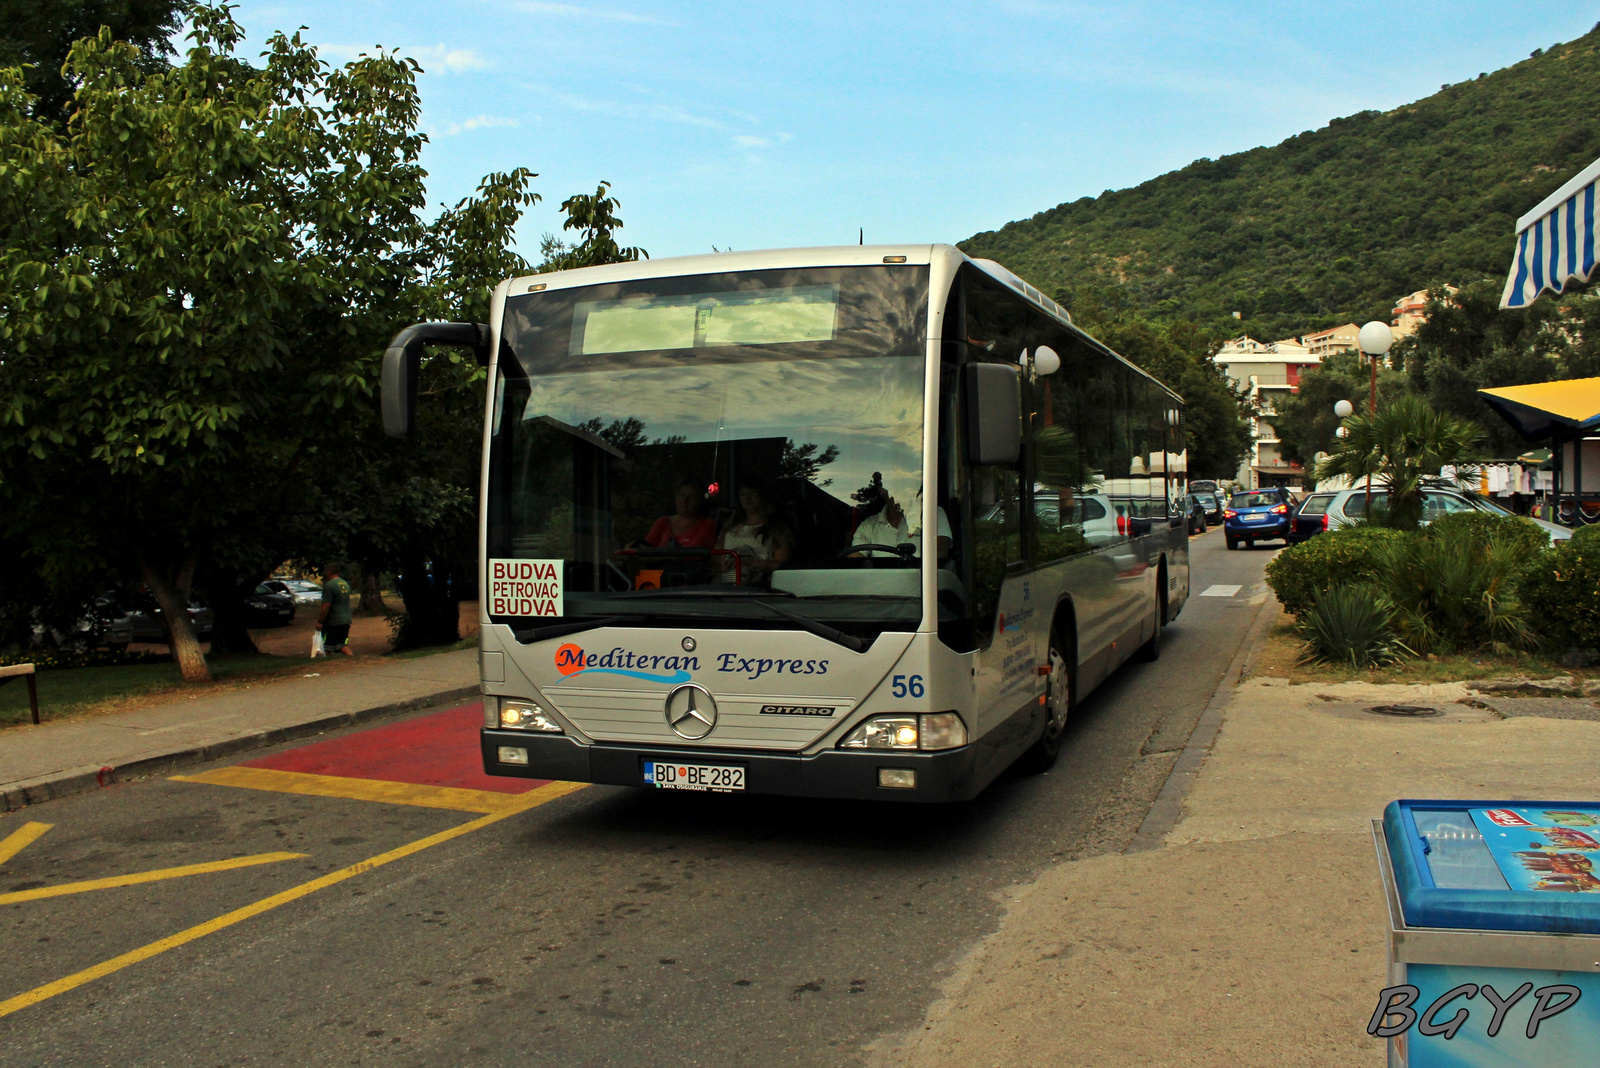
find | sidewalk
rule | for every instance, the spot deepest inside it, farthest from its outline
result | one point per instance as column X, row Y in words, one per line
column 39, row 763
column 1254, row 934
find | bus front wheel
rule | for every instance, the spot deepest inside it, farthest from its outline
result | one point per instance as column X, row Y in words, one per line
column 1059, row 696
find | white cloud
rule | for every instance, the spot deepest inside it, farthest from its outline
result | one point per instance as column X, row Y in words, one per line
column 751, row 141
column 646, row 112
column 453, row 60
column 480, row 122
column 539, row 7
column 434, row 58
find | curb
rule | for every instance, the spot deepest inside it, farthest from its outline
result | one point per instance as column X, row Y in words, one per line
column 67, row 782
column 1167, row 808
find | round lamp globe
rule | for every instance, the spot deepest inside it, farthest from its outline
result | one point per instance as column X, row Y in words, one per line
column 1375, row 338
column 1343, row 409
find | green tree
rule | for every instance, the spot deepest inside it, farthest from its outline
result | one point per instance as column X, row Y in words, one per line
column 196, row 282
column 40, row 33
column 1305, row 422
column 595, row 220
column 1405, row 442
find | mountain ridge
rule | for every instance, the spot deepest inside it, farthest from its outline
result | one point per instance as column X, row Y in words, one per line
column 1331, row 225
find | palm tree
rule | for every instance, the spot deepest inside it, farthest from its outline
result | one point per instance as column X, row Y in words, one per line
column 1402, row 444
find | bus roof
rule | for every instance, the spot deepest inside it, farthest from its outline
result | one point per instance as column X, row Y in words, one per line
column 823, row 256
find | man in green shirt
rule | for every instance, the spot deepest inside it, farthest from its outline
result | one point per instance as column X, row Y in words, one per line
column 334, row 621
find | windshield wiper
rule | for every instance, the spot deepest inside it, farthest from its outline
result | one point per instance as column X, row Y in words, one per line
column 817, row 627
column 557, row 630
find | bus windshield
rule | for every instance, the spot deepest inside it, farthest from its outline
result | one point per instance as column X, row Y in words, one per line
column 716, row 448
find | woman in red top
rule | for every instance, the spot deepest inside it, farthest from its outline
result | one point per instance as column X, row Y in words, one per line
column 686, row 528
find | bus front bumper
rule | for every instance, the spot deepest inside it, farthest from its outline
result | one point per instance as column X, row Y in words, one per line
column 949, row 775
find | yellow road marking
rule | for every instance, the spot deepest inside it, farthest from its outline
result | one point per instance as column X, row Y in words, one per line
column 21, row 839
column 145, row 877
column 523, row 802
column 394, row 793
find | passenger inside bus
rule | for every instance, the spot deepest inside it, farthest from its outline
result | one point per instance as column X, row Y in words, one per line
column 686, row 528
column 758, row 534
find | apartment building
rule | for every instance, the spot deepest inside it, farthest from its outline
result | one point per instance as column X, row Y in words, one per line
column 1270, row 371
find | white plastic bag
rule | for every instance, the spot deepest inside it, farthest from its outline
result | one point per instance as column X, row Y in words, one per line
column 317, row 648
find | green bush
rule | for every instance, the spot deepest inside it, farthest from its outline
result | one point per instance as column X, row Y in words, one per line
column 1454, row 586
column 1350, row 625
column 1350, row 555
column 1524, row 535
column 1584, row 535
column 1561, row 591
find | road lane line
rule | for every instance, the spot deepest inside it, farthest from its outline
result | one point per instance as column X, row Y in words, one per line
column 145, row 877
column 1219, row 591
column 21, row 839
column 521, row 803
column 395, row 793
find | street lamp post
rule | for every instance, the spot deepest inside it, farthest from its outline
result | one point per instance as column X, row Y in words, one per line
column 1375, row 340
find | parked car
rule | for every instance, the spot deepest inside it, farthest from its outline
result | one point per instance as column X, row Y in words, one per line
column 142, row 616
column 1211, row 496
column 268, row 607
column 303, row 592
column 1311, row 517
column 100, row 624
column 1351, row 505
column 1101, row 521
column 1257, row 515
column 1197, row 515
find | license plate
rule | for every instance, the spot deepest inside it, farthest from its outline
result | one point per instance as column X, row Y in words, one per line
column 1254, row 518
column 716, row 778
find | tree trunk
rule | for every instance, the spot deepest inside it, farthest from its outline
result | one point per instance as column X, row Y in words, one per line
column 229, row 634
column 181, row 638
column 372, row 594
column 432, row 613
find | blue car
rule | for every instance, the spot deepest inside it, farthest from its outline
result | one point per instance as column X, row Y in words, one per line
column 1258, row 515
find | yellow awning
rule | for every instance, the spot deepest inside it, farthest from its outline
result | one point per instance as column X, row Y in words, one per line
column 1543, row 409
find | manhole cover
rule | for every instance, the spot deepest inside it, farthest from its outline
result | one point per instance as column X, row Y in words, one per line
column 1403, row 710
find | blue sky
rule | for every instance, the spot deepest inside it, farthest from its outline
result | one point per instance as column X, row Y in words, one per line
column 765, row 125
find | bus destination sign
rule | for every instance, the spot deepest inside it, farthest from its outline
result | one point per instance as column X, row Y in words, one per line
column 525, row 587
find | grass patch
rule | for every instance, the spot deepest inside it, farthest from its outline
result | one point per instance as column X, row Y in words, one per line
column 432, row 650
column 69, row 693
column 1283, row 647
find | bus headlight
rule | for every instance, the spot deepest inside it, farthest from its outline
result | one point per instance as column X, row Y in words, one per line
column 526, row 716
column 935, row 730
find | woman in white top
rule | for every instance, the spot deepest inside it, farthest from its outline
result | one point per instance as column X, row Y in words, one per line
column 760, row 539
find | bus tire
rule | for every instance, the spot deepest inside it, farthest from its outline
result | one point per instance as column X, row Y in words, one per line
column 1060, row 696
column 1150, row 651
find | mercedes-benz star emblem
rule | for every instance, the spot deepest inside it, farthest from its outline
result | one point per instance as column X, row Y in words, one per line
column 688, row 645
column 691, row 712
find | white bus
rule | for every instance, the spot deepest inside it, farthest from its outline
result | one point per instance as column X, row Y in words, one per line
column 858, row 522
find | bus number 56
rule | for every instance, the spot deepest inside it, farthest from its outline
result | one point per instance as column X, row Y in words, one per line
column 901, row 687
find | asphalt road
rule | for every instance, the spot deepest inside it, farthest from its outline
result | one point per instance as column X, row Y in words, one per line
column 604, row 927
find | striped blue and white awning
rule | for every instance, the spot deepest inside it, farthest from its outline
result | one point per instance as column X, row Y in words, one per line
column 1555, row 241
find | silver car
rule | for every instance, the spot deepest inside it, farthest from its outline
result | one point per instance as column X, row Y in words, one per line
column 1351, row 504
column 304, row 593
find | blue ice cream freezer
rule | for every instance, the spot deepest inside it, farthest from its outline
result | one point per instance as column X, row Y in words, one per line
column 1494, row 934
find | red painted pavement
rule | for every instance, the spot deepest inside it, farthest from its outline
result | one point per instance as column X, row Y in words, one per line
column 439, row 749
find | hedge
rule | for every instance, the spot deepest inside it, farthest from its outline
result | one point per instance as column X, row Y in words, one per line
column 1561, row 590
column 1300, row 573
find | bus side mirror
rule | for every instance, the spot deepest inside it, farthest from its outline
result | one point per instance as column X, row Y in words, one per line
column 403, row 359
column 994, row 413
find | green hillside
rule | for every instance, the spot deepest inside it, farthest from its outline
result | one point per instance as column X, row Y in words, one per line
column 1332, row 225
